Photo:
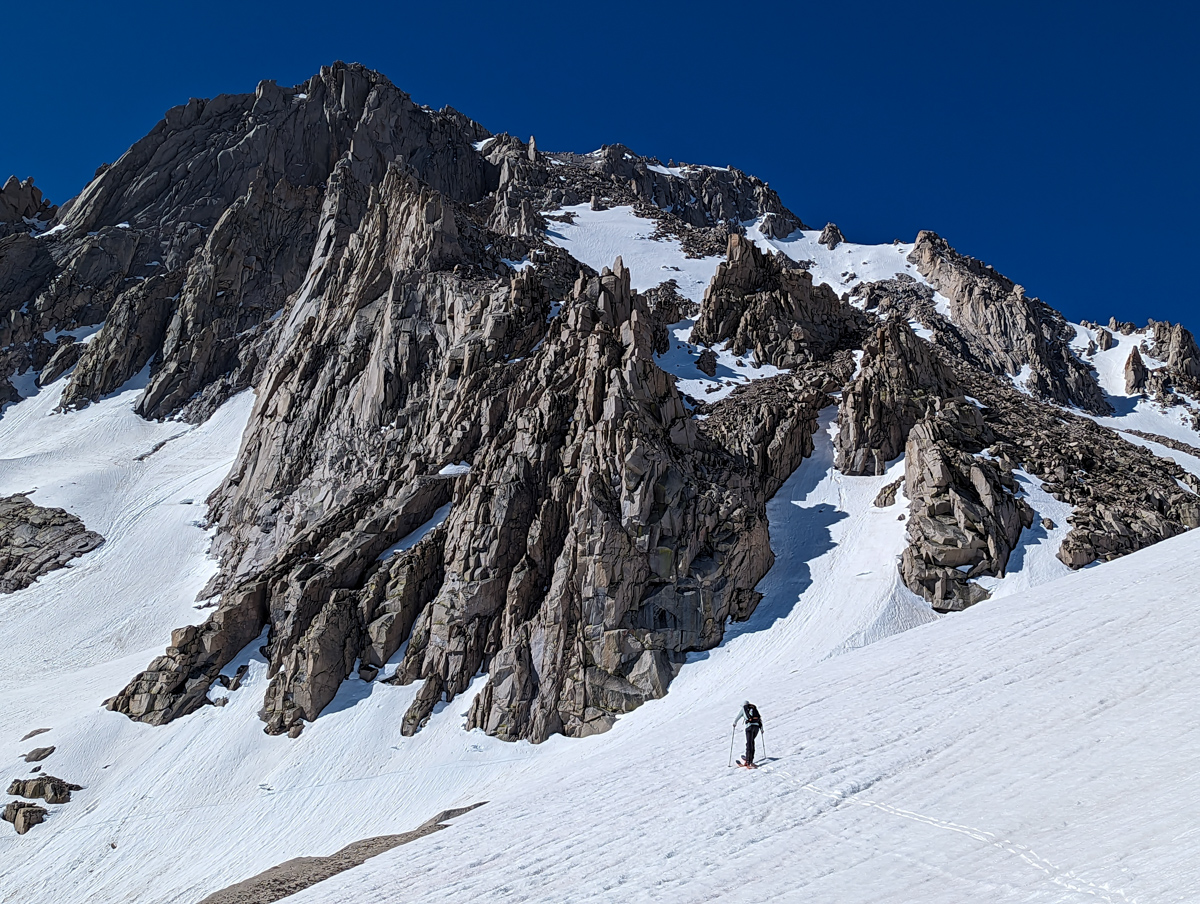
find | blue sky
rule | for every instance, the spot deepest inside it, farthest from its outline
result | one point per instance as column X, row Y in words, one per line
column 1057, row 141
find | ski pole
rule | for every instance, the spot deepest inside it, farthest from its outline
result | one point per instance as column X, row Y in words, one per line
column 732, row 738
column 764, row 732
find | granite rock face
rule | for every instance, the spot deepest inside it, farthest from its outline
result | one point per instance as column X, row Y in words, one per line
column 1009, row 333
column 35, row 541
column 223, row 194
column 901, row 378
column 765, row 304
column 599, row 534
column 964, row 518
column 22, row 207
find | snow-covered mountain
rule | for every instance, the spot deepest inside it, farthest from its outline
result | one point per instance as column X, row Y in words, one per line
column 450, row 471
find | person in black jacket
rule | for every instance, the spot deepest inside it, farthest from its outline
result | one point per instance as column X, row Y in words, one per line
column 753, row 727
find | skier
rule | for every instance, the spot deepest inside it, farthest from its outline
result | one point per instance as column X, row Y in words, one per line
column 753, row 727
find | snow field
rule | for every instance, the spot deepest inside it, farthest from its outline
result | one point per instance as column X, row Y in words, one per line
column 128, row 594
column 1036, row 748
column 599, row 237
column 1136, row 412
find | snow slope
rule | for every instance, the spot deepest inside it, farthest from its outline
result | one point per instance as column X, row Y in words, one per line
column 1033, row 748
column 846, row 265
column 599, row 237
column 1136, row 412
column 237, row 801
column 1039, row 748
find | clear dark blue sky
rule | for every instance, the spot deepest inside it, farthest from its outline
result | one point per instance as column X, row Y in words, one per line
column 1057, row 141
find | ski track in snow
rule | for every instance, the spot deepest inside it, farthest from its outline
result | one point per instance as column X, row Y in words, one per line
column 1057, row 875
column 1056, row 713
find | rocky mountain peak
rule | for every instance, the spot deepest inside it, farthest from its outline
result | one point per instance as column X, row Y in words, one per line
column 464, row 442
column 22, row 207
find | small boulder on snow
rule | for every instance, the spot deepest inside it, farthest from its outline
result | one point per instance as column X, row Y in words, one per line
column 24, row 815
column 887, row 496
column 831, row 236
column 48, row 787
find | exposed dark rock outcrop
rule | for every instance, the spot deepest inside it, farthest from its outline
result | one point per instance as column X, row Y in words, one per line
column 964, row 518
column 35, row 541
column 1125, row 497
column 1175, row 345
column 831, row 236
column 901, row 378
column 295, row 875
column 52, row 790
column 22, row 207
column 766, row 304
column 24, row 815
column 132, row 334
column 66, row 355
column 1135, row 373
column 1009, row 330
column 698, row 195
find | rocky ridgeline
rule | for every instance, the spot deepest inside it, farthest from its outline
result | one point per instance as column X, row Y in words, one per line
column 600, row 534
column 1164, row 366
column 1006, row 331
column 188, row 245
column 911, row 396
column 344, row 251
column 22, row 208
column 1125, row 497
column 35, row 541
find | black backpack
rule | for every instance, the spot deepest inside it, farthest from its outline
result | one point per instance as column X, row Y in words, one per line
column 750, row 711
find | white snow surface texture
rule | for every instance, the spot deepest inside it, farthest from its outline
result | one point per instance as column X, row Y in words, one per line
column 1039, row 747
